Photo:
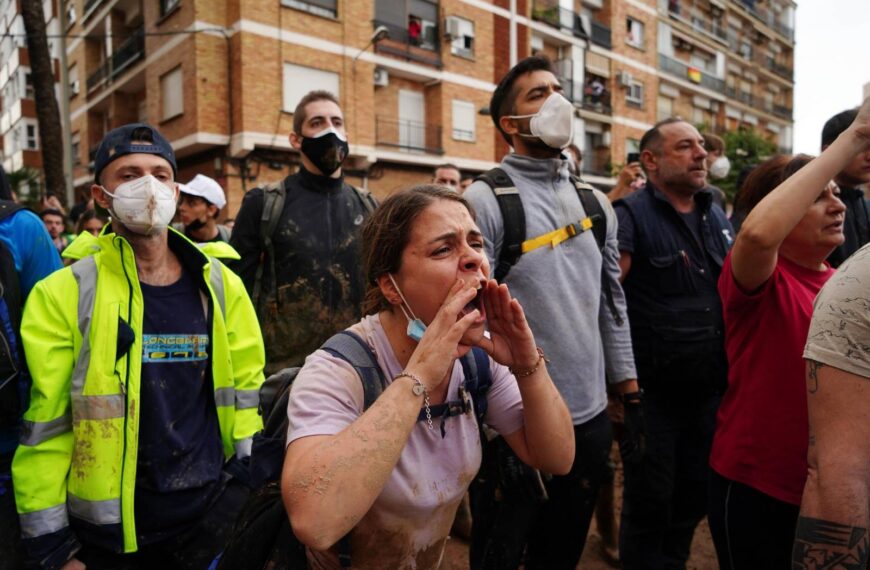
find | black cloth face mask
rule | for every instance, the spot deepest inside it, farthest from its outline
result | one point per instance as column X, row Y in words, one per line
column 326, row 150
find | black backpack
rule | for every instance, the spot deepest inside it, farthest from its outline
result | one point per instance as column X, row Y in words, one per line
column 514, row 226
column 262, row 536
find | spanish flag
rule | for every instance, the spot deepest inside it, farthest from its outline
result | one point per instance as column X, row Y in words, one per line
column 694, row 74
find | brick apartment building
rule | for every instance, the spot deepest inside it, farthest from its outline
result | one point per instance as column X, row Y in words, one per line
column 221, row 78
column 18, row 125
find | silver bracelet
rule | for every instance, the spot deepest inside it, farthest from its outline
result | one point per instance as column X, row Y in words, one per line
column 419, row 389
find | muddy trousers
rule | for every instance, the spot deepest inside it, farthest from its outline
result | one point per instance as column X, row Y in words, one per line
column 191, row 550
column 665, row 493
column 559, row 531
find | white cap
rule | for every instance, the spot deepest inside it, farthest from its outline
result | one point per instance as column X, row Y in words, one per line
column 206, row 188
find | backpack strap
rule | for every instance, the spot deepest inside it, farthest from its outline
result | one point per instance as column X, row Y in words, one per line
column 513, row 220
column 478, row 380
column 356, row 351
column 595, row 212
column 366, row 199
column 274, row 195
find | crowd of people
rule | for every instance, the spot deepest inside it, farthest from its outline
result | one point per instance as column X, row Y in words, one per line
column 469, row 345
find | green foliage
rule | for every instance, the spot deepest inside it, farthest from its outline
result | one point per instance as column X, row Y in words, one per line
column 27, row 185
column 744, row 147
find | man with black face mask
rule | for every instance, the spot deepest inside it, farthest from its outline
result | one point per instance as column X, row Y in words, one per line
column 298, row 240
column 200, row 204
column 568, row 284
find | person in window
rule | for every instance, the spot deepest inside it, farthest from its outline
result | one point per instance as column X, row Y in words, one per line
column 388, row 481
column 415, row 29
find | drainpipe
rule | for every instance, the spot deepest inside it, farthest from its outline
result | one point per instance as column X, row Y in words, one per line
column 66, row 126
column 513, row 32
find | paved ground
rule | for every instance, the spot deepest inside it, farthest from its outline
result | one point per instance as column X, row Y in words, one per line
column 703, row 555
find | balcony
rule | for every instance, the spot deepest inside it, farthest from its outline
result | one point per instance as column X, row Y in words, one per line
column 408, row 135
column 549, row 12
column 593, row 96
column 743, row 96
column 421, row 47
column 767, row 17
column 128, row 53
column 697, row 21
column 783, row 71
column 782, row 112
column 90, row 7
column 689, row 73
column 600, row 35
column 596, row 164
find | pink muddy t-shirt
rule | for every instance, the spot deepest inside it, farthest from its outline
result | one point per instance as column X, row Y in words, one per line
column 408, row 523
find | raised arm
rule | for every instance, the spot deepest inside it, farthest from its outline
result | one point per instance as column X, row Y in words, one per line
column 769, row 223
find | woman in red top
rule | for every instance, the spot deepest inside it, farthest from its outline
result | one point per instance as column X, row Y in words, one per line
column 768, row 284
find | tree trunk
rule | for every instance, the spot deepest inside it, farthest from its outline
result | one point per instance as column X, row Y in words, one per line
column 42, row 76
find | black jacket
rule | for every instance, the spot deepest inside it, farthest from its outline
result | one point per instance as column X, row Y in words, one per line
column 856, row 227
column 317, row 264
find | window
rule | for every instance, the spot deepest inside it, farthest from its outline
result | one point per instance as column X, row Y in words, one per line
column 412, row 21
column 702, row 117
column 745, row 49
column 325, row 8
column 464, row 116
column 299, row 80
column 635, row 94
column 172, row 94
column 73, row 77
column 702, row 61
column 634, row 32
column 665, row 108
column 75, row 149
column 167, row 6
column 463, row 36
column 32, row 143
column 28, row 85
column 71, row 14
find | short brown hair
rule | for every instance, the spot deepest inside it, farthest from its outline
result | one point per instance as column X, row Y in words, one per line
column 767, row 176
column 387, row 231
column 300, row 113
column 713, row 143
column 651, row 140
column 504, row 98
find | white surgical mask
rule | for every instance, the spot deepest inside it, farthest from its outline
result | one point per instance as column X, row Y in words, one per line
column 553, row 123
column 720, row 167
column 145, row 205
column 416, row 327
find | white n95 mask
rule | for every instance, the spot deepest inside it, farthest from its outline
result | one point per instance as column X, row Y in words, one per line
column 553, row 123
column 145, row 205
column 720, row 167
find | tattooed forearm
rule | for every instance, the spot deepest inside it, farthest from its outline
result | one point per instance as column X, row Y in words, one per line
column 822, row 545
column 813, row 375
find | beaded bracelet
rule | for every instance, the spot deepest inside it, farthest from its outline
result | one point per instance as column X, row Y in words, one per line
column 529, row 371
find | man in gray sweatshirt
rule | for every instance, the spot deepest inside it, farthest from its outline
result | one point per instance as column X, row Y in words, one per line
column 584, row 335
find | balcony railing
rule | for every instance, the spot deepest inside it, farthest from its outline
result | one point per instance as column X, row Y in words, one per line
column 684, row 71
column 90, row 8
column 768, row 18
column 549, row 12
column 742, row 96
column 408, row 135
column 592, row 98
column 128, row 53
column 779, row 69
column 782, row 111
column 600, row 34
column 424, row 48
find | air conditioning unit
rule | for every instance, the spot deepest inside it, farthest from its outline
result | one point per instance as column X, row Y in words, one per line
column 74, row 87
column 452, row 27
column 625, row 79
column 381, row 77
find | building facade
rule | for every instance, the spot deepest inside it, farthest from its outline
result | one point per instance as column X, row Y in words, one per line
column 221, row 78
column 19, row 128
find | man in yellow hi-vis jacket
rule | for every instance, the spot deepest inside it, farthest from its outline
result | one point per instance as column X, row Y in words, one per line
column 147, row 360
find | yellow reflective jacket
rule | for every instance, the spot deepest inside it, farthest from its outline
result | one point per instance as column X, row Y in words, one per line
column 76, row 465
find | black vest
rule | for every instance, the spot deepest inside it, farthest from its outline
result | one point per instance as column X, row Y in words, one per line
column 671, row 292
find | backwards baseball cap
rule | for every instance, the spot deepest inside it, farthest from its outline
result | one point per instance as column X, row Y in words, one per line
column 132, row 139
column 205, row 188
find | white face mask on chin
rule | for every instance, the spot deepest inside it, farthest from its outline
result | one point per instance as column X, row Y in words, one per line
column 553, row 123
column 144, row 206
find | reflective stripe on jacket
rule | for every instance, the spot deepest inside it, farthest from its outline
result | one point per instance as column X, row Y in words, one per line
column 77, row 460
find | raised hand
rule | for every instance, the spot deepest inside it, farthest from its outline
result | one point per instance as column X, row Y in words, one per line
column 861, row 124
column 511, row 341
column 439, row 346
